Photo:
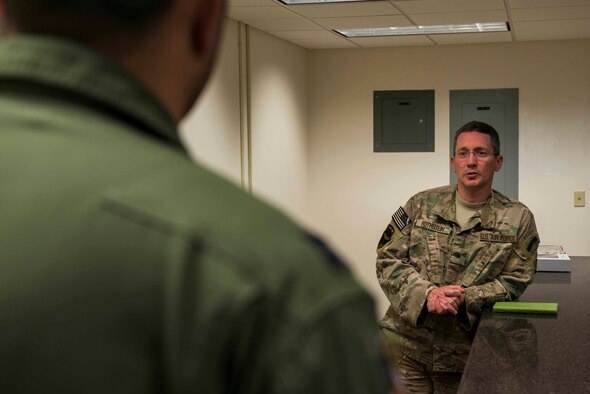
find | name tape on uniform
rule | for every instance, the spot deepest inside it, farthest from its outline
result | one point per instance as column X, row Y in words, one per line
column 433, row 226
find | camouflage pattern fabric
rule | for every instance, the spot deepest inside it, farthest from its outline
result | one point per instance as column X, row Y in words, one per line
column 493, row 257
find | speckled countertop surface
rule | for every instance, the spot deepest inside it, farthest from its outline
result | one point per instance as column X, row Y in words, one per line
column 524, row 353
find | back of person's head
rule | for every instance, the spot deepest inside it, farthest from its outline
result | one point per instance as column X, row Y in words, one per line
column 168, row 45
column 479, row 127
column 84, row 20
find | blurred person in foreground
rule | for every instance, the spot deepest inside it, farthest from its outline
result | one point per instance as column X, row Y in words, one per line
column 127, row 268
column 446, row 255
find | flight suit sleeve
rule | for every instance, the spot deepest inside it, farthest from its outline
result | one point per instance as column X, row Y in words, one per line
column 516, row 275
column 338, row 354
column 403, row 285
column 314, row 333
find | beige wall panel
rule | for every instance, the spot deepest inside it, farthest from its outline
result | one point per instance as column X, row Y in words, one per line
column 211, row 131
column 279, row 128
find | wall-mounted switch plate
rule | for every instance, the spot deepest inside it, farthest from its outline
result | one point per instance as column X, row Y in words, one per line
column 579, row 199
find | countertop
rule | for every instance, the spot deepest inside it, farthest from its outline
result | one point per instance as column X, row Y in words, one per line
column 526, row 353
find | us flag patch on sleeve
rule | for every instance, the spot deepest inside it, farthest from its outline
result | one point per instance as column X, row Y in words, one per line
column 400, row 218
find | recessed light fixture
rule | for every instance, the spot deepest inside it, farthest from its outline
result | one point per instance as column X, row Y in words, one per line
column 290, row 2
column 434, row 29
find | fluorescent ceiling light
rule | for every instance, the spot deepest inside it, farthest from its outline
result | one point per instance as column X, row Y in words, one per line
column 435, row 29
column 289, row 2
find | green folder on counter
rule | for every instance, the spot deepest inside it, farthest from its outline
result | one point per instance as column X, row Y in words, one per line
column 545, row 308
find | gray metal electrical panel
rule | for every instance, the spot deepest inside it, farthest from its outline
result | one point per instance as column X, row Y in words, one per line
column 403, row 121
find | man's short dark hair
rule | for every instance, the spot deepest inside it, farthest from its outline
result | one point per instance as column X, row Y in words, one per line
column 480, row 127
column 80, row 18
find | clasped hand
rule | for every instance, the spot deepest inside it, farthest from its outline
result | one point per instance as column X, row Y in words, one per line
column 446, row 299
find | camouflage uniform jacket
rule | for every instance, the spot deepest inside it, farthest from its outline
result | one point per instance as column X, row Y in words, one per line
column 494, row 258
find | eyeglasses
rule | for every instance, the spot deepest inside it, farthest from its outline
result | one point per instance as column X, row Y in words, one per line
column 478, row 153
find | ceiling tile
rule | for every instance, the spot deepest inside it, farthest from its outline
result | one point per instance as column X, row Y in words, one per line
column 310, row 25
column 391, row 41
column 431, row 6
column 251, row 13
column 459, row 17
column 552, row 30
column 327, row 10
column 363, row 22
column 546, row 3
column 324, row 43
column 471, row 38
column 282, row 24
column 305, row 34
column 554, row 13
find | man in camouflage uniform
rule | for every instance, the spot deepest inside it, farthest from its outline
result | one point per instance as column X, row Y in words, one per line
column 446, row 255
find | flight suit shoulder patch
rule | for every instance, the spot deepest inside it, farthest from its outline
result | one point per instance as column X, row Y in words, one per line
column 329, row 254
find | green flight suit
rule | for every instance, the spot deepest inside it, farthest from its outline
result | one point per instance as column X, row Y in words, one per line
column 493, row 257
column 127, row 268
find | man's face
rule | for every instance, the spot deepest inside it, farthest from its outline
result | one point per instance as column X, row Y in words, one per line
column 475, row 173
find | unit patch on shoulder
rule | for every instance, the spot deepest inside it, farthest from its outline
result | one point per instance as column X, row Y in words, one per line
column 532, row 243
column 328, row 253
column 387, row 234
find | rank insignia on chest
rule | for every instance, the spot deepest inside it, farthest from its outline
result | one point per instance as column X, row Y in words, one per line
column 488, row 236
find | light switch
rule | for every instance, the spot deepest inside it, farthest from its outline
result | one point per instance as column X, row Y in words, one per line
column 579, row 199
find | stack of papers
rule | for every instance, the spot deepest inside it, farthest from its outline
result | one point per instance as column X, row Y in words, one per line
column 552, row 258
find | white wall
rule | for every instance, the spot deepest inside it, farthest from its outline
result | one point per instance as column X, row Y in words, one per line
column 211, row 131
column 278, row 111
column 353, row 191
column 279, row 116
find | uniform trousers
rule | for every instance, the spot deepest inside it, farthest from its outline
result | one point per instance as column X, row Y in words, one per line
column 420, row 378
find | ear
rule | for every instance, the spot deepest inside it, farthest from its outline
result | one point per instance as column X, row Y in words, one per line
column 207, row 26
column 499, row 162
column 453, row 167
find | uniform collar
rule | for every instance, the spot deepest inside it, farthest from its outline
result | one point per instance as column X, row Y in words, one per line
column 68, row 66
column 446, row 208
